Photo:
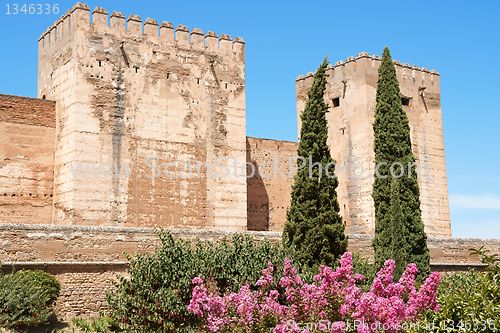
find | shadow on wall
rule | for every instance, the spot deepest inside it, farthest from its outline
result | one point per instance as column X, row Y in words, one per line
column 257, row 198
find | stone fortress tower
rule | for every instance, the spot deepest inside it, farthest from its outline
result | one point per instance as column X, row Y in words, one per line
column 350, row 92
column 123, row 95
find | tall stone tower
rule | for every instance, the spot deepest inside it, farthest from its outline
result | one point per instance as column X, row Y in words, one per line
column 124, row 94
column 351, row 90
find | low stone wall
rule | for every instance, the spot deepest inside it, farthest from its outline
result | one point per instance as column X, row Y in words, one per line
column 447, row 254
column 86, row 259
column 84, row 284
column 63, row 243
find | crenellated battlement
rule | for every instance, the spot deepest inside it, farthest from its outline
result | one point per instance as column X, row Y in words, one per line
column 79, row 17
column 375, row 64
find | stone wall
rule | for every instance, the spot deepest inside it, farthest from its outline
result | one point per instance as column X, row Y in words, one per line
column 27, row 128
column 350, row 92
column 268, row 192
column 447, row 253
column 86, row 259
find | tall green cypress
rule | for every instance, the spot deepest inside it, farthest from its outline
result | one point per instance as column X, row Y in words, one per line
column 392, row 146
column 314, row 228
column 398, row 245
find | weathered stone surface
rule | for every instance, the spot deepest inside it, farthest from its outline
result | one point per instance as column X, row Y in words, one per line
column 350, row 138
column 88, row 244
column 123, row 96
column 268, row 192
column 27, row 129
column 86, row 259
column 27, row 111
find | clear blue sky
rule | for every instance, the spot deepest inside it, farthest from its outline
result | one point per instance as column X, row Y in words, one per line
column 460, row 39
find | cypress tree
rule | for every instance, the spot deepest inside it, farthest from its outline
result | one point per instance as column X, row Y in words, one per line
column 393, row 148
column 398, row 245
column 314, row 228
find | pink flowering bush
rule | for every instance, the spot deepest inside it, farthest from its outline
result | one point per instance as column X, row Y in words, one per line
column 332, row 303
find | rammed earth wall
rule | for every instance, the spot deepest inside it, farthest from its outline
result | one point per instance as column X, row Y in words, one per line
column 27, row 129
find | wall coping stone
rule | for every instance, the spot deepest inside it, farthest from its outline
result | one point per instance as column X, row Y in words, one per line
column 188, row 232
column 203, row 232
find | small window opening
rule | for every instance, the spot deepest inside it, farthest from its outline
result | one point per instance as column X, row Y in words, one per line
column 342, row 130
column 226, row 85
column 137, row 69
column 168, row 74
column 336, row 102
column 43, row 96
column 198, row 81
column 99, row 63
column 405, row 101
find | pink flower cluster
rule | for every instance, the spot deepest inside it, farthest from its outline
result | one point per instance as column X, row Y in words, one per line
column 332, row 298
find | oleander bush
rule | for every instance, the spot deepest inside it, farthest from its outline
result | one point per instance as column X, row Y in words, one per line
column 26, row 298
column 156, row 296
column 333, row 302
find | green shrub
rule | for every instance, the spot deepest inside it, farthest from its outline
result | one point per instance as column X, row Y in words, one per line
column 156, row 296
column 468, row 301
column 366, row 268
column 22, row 302
column 43, row 281
column 82, row 324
